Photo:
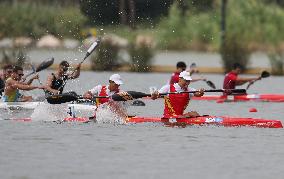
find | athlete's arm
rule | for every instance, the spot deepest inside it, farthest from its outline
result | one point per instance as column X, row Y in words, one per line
column 76, row 73
column 23, row 86
column 94, row 91
column 241, row 81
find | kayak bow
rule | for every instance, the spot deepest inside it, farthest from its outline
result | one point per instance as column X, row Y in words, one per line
column 246, row 97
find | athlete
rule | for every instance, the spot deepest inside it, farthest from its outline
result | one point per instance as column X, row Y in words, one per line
column 232, row 79
column 56, row 81
column 13, row 84
column 175, row 104
column 181, row 66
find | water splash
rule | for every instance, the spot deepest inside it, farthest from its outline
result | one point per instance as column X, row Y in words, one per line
column 49, row 112
column 112, row 112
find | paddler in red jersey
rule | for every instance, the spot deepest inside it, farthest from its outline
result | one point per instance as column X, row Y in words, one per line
column 181, row 66
column 175, row 104
column 232, row 80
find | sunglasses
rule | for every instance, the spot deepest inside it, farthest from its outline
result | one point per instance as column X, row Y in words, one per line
column 21, row 74
column 188, row 81
column 64, row 68
column 9, row 71
column 113, row 83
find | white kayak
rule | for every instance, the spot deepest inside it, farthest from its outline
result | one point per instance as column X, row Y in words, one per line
column 10, row 110
column 19, row 105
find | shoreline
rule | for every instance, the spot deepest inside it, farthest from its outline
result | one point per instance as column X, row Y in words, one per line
column 171, row 69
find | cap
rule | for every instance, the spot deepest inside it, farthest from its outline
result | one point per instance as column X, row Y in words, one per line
column 116, row 79
column 185, row 75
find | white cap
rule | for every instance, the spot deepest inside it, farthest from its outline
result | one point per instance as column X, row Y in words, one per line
column 185, row 75
column 116, row 79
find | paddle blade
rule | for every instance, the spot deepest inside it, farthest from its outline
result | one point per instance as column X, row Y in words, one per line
column 138, row 103
column 45, row 64
column 62, row 98
column 129, row 95
column 93, row 47
column 211, row 84
column 265, row 74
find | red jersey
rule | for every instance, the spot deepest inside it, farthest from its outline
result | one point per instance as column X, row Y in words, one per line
column 175, row 104
column 174, row 77
column 103, row 92
column 230, row 80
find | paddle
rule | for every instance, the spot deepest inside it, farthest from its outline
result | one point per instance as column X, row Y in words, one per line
column 89, row 52
column 42, row 66
column 134, row 103
column 210, row 83
column 129, row 95
column 264, row 74
column 194, row 69
column 91, row 49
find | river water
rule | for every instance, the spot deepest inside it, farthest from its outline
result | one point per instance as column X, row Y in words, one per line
column 165, row 58
column 32, row 150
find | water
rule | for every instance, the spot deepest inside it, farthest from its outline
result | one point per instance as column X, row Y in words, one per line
column 31, row 150
column 168, row 58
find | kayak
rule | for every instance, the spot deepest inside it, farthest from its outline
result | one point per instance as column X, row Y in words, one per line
column 77, row 110
column 211, row 120
column 247, row 97
column 201, row 121
column 10, row 110
column 17, row 106
column 24, row 110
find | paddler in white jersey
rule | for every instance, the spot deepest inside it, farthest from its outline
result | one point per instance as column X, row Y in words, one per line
column 107, row 90
column 175, row 104
column 13, row 84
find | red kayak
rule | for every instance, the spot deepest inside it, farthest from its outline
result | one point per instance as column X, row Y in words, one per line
column 211, row 120
column 183, row 121
column 247, row 97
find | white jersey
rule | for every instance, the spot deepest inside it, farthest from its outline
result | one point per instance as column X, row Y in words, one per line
column 166, row 89
column 97, row 89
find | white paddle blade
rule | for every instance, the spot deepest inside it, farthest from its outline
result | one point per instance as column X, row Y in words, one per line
column 93, row 47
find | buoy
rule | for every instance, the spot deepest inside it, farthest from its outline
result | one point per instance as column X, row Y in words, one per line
column 252, row 110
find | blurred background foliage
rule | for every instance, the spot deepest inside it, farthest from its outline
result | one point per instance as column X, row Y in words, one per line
column 35, row 20
column 176, row 24
column 251, row 25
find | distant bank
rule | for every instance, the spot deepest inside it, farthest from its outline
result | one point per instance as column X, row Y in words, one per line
column 163, row 61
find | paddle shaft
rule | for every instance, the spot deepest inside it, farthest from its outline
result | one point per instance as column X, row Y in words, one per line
column 134, row 95
column 129, row 95
column 264, row 74
column 88, row 53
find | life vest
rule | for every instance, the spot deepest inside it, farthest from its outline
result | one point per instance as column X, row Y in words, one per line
column 103, row 92
column 175, row 104
column 58, row 83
